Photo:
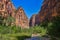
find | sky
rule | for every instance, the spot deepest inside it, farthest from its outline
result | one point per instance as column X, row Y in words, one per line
column 30, row 7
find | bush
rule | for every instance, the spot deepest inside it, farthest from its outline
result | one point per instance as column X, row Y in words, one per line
column 38, row 29
column 54, row 27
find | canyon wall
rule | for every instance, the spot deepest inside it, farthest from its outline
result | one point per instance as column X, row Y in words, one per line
column 49, row 9
column 21, row 18
column 7, row 9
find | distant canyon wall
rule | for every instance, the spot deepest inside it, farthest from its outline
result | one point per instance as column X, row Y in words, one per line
column 49, row 9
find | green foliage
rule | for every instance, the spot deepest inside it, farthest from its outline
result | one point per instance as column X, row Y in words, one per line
column 9, row 21
column 44, row 24
column 54, row 27
column 9, row 29
column 1, row 19
column 39, row 30
column 6, row 21
column 5, row 37
column 18, row 36
column 12, row 32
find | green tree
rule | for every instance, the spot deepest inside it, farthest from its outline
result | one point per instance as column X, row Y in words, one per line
column 54, row 27
column 9, row 21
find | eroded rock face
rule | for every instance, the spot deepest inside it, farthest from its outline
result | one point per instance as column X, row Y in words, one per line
column 8, row 9
column 2, row 7
column 49, row 9
column 21, row 18
column 32, row 20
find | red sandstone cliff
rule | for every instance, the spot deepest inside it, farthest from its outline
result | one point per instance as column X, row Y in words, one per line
column 21, row 18
column 32, row 20
column 8, row 9
column 49, row 9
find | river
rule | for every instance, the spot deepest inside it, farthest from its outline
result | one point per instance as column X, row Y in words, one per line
column 37, row 38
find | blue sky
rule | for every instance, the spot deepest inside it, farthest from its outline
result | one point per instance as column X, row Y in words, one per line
column 30, row 6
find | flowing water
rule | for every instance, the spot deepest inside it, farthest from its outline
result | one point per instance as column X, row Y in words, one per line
column 37, row 38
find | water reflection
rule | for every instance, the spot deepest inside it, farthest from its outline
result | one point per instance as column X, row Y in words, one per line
column 37, row 38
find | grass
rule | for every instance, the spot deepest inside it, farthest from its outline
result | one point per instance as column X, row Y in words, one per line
column 17, row 36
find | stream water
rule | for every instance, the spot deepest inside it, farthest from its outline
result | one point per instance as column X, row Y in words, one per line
column 37, row 38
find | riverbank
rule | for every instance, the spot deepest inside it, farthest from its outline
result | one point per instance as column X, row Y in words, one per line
column 17, row 36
